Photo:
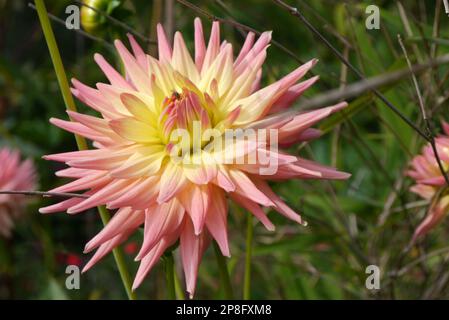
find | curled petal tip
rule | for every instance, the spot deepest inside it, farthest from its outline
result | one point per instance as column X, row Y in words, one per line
column 198, row 230
column 135, row 285
column 268, row 203
column 267, row 34
column 87, row 248
column 415, row 237
column 344, row 175
column 340, row 106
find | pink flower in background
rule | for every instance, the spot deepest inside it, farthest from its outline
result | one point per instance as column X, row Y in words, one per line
column 14, row 176
column 430, row 180
column 132, row 168
column 73, row 259
column 68, row 258
column 131, row 248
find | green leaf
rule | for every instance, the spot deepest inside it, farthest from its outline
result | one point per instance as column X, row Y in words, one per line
column 54, row 291
column 351, row 110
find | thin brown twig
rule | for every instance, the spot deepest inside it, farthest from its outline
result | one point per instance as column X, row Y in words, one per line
column 368, row 84
column 329, row 28
column 44, row 193
column 423, row 112
column 425, row 257
column 295, row 12
column 408, row 29
column 79, row 31
column 236, row 25
column 118, row 23
column 225, row 8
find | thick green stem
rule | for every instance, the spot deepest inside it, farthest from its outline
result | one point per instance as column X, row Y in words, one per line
column 249, row 249
column 170, row 275
column 180, row 295
column 224, row 273
column 119, row 258
column 80, row 141
column 57, row 64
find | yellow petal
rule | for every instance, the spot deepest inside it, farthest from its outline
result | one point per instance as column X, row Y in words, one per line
column 138, row 108
column 134, row 130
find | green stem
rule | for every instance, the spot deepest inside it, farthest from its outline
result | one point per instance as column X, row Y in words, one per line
column 119, row 258
column 224, row 273
column 57, row 64
column 80, row 141
column 170, row 275
column 180, row 295
column 249, row 249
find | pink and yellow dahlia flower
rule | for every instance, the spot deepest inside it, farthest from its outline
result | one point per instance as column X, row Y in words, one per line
column 14, row 176
column 430, row 181
column 137, row 166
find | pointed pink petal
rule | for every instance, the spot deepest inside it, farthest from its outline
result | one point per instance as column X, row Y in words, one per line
column 196, row 201
column 223, row 180
column 246, row 188
column 434, row 216
column 165, row 51
column 172, row 181
column 200, row 46
column 138, row 52
column 135, row 72
column 292, row 94
column 160, row 221
column 280, row 206
column 114, row 77
column 152, row 258
column 61, row 206
column 124, row 219
column 212, row 47
column 100, row 197
column 255, row 209
column 249, row 41
column 105, row 248
column 192, row 248
column 216, row 220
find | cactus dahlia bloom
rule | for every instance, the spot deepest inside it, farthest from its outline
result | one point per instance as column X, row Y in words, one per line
column 14, row 176
column 430, row 181
column 132, row 168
